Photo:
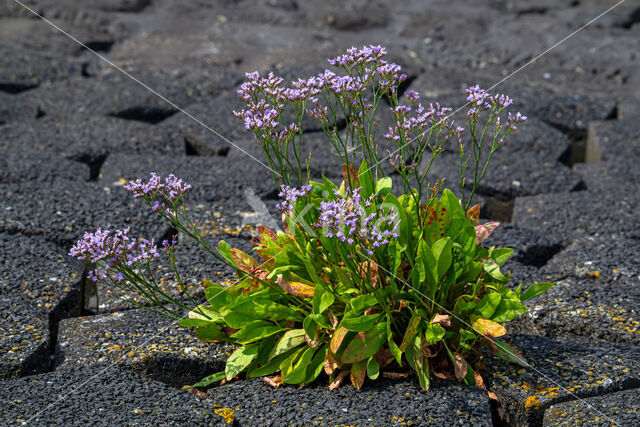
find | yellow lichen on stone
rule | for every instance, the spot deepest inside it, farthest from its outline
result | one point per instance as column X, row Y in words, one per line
column 226, row 414
column 532, row 402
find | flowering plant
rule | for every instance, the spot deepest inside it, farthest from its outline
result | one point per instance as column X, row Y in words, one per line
column 361, row 282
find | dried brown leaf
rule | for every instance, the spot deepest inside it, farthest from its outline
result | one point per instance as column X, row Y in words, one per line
column 459, row 366
column 274, row 382
column 338, row 380
column 295, row 288
column 484, row 231
column 395, row 375
column 196, row 391
column 443, row 319
column 479, row 381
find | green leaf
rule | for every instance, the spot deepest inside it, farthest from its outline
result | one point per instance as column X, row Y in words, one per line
column 207, row 381
column 404, row 228
column 218, row 296
column 433, row 333
column 190, row 323
column 442, row 253
column 508, row 310
column 365, row 180
column 225, row 250
column 272, row 366
column 411, row 331
column 451, row 202
column 240, row 359
column 493, row 269
column 287, row 364
column 309, row 325
column 488, row 304
column 535, row 290
column 362, row 323
column 365, row 344
column 298, row 373
column 255, row 331
column 501, row 255
column 315, row 367
column 393, row 347
column 290, row 339
column 321, row 320
column 383, row 186
column 360, row 303
column 373, row 368
column 211, row 333
column 510, row 354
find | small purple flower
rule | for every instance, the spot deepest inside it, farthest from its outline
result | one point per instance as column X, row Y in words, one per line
column 512, row 121
column 345, row 218
column 290, row 195
column 158, row 193
column 108, row 251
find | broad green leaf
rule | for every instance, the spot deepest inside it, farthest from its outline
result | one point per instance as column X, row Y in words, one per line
column 393, row 347
column 339, row 335
column 487, row 327
column 437, row 220
column 309, row 325
column 321, row 320
column 362, row 323
column 289, row 340
column 410, row 333
column 442, row 253
column 207, row 381
column 501, row 255
column 535, row 290
column 272, row 366
column 287, row 364
column 298, row 373
column 373, row 368
column 360, row 303
column 255, row 331
column 365, row 344
column 240, row 359
column 317, row 363
column 383, row 185
column 451, row 202
column 508, row 309
column 244, row 261
column 510, row 354
column 493, row 269
column 420, row 363
column 488, row 304
column 311, row 270
column 358, row 373
column 433, row 333
column 225, row 250
column 190, row 323
column 211, row 333
column 218, row 296
column 365, row 180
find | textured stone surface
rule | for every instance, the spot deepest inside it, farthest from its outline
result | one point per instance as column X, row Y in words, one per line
column 383, row 402
column 559, row 370
column 67, row 117
column 621, row 408
column 141, row 341
column 100, row 394
column 65, row 210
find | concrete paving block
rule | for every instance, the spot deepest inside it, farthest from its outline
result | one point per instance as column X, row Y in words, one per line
column 620, row 408
column 560, row 370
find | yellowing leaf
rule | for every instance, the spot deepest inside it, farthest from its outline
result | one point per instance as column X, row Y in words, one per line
column 474, row 214
column 338, row 380
column 295, row 288
column 358, row 371
column 244, row 261
column 442, row 319
column 336, row 339
column 484, row 231
column 487, row 327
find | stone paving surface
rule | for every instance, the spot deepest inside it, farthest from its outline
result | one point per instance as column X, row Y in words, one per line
column 73, row 130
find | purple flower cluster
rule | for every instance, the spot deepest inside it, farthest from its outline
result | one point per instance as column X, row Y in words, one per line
column 345, row 218
column 290, row 195
column 109, row 251
column 398, row 162
column 481, row 100
column 158, row 192
column 417, row 120
column 354, row 56
column 260, row 116
column 512, row 121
